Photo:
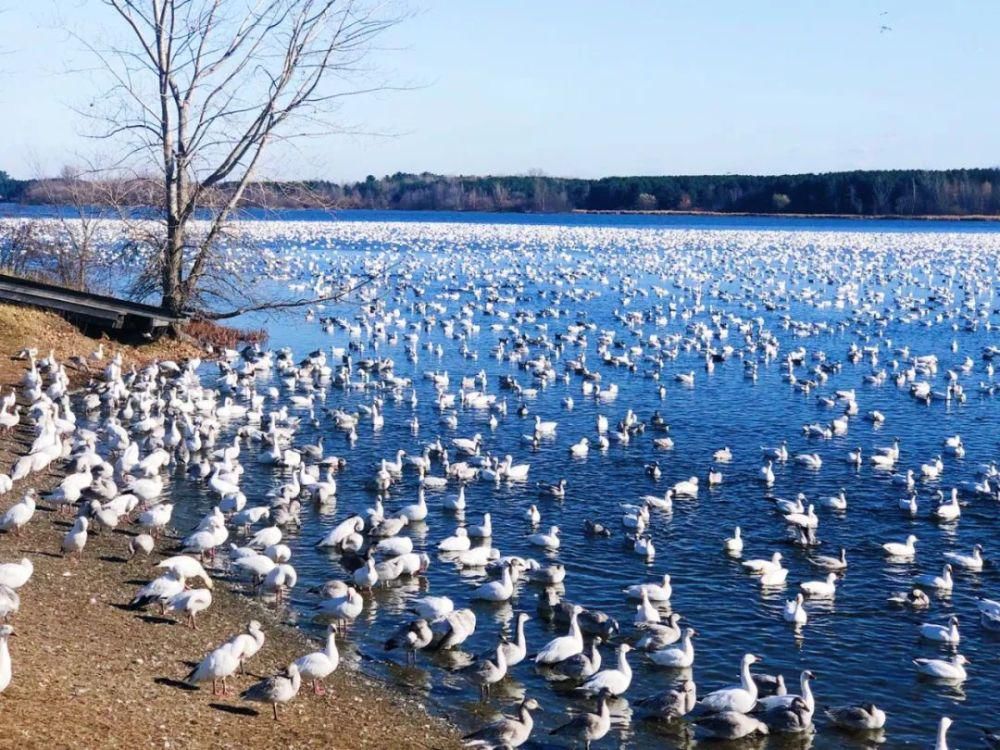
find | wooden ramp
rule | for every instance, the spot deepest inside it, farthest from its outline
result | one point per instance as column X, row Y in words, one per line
column 127, row 318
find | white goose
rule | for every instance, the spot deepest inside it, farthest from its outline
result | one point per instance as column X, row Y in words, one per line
column 678, row 657
column 562, row 648
column 616, row 681
column 740, row 699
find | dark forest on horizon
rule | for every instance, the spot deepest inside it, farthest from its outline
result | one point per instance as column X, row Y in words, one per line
column 955, row 192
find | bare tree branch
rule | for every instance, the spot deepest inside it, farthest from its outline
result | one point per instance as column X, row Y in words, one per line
column 202, row 88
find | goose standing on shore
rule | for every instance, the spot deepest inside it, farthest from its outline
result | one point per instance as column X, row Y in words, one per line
column 6, row 670
column 281, row 688
column 319, row 665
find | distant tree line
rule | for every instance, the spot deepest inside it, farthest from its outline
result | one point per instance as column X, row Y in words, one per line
column 954, row 192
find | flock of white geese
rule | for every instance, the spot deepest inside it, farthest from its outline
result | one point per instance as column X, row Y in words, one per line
column 121, row 440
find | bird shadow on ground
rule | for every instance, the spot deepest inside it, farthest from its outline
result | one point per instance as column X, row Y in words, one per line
column 122, row 607
column 56, row 555
column 112, row 559
column 238, row 710
column 156, row 620
column 179, row 684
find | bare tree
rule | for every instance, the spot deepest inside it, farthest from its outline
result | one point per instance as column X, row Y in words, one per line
column 201, row 88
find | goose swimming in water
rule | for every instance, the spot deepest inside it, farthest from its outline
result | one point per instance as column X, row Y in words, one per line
column 677, row 658
column 795, row 612
column 740, row 699
column 734, row 544
column 947, row 634
column 942, row 583
column 973, row 562
column 616, row 681
column 863, row 718
column 903, row 550
column 952, row 670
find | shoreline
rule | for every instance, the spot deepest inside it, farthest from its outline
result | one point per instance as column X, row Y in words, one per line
column 765, row 215
column 88, row 672
column 983, row 218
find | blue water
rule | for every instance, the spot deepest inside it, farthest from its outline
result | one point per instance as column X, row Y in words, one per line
column 859, row 646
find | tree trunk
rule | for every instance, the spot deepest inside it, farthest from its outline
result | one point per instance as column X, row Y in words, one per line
column 173, row 259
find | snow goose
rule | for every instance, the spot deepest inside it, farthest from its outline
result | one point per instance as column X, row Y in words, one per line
column 656, row 636
column 947, row 634
column 951, row 670
column 189, row 602
column 835, row 502
column 739, row 699
column 483, row 530
column 506, row 731
column 217, row 666
column 730, row 725
column 828, row 562
column 645, row 612
column 948, row 510
column 488, row 672
column 902, row 550
column 18, row 515
column 973, row 562
column 274, row 690
column 942, row 583
column 10, row 602
column 793, row 718
column 516, row 650
column 795, row 611
column 549, row 540
column 805, row 687
column 655, row 592
column 76, row 538
column 157, row 590
column 734, row 544
column 247, row 644
column 942, row 734
column 820, row 589
column 344, row 608
column 760, row 566
column 679, row 657
column 863, row 718
column 563, row 647
column 686, row 488
column 186, row 567
column 6, row 671
column 496, row 591
column 616, row 680
column 669, row 705
column 457, row 542
column 319, row 665
column 587, row 726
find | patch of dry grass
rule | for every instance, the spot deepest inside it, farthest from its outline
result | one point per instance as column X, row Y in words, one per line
column 29, row 328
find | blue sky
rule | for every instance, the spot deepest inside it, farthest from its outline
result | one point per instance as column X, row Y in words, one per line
column 588, row 88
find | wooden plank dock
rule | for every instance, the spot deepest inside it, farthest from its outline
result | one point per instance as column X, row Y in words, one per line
column 98, row 310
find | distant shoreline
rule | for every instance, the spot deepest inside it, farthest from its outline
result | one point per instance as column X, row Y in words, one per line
column 761, row 214
column 6, row 212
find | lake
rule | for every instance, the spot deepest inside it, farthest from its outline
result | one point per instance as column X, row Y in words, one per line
column 660, row 291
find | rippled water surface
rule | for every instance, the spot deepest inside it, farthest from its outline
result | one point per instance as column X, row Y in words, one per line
column 845, row 284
